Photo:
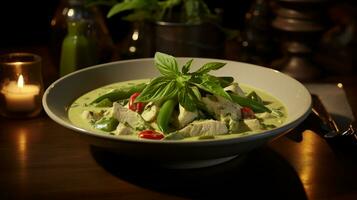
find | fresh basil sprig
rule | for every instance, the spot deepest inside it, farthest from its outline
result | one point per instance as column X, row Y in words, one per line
column 162, row 87
column 167, row 65
column 183, row 85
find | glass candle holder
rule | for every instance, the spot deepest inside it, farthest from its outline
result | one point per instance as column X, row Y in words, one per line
column 21, row 85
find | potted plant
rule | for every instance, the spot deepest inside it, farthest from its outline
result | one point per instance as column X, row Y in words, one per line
column 176, row 27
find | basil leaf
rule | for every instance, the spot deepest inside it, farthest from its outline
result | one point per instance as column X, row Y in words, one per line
column 166, row 64
column 158, row 89
column 182, row 80
column 186, row 67
column 210, row 84
column 225, row 80
column 130, row 5
column 209, row 67
column 196, row 92
column 187, row 98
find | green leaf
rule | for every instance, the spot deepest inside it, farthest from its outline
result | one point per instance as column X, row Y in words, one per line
column 210, row 84
column 158, row 89
column 187, row 66
column 255, row 97
column 106, row 124
column 165, row 6
column 182, row 80
column 187, row 98
column 225, row 80
column 244, row 101
column 204, row 7
column 192, row 10
column 166, row 64
column 130, row 5
column 138, row 15
column 104, row 103
column 196, row 92
column 169, row 3
column 209, row 67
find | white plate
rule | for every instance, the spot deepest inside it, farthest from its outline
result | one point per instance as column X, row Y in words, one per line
column 178, row 154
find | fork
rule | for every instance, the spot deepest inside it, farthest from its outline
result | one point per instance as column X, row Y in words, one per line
column 350, row 131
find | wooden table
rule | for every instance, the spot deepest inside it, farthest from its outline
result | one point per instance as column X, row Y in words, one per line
column 40, row 159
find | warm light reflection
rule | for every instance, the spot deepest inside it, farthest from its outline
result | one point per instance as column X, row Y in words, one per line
column 70, row 12
column 132, row 49
column 53, row 22
column 64, row 11
column 22, row 140
column 135, row 35
column 20, row 81
column 308, row 155
column 22, row 146
column 339, row 85
column 245, row 43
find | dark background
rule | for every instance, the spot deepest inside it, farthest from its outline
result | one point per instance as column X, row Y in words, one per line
column 27, row 23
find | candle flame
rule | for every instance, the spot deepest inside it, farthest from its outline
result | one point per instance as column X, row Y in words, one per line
column 20, row 81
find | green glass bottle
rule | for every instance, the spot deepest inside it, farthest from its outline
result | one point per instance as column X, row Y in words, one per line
column 78, row 51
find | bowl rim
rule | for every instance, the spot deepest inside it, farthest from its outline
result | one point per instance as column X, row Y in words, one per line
column 264, row 134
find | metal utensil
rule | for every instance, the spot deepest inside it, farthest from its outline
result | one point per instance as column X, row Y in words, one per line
column 349, row 131
column 328, row 123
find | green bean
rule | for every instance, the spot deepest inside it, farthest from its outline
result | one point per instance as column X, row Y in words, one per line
column 119, row 94
column 106, row 124
column 164, row 116
column 104, row 103
column 254, row 105
column 255, row 97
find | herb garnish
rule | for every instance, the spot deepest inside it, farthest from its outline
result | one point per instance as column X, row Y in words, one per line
column 183, row 85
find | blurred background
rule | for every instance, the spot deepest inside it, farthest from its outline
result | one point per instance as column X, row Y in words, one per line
column 309, row 39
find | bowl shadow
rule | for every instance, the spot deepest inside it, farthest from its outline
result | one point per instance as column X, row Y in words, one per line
column 259, row 173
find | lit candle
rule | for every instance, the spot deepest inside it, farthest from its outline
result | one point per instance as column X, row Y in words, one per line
column 20, row 97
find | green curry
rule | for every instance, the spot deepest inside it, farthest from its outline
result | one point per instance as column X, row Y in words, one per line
column 83, row 104
column 179, row 105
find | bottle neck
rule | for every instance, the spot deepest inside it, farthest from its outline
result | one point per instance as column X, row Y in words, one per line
column 76, row 27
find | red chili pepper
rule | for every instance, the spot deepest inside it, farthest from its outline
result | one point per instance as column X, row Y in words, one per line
column 247, row 113
column 137, row 107
column 150, row 134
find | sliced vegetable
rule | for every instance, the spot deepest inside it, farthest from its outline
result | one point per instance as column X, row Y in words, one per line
column 174, row 136
column 135, row 106
column 255, row 106
column 106, row 124
column 104, row 103
column 165, row 113
column 247, row 113
column 255, row 97
column 119, row 94
column 150, row 134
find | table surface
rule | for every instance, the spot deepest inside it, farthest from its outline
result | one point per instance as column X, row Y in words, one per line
column 39, row 159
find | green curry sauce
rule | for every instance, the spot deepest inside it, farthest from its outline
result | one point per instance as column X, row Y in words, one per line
column 76, row 109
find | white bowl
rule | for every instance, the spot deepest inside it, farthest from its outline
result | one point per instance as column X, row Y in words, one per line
column 179, row 154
